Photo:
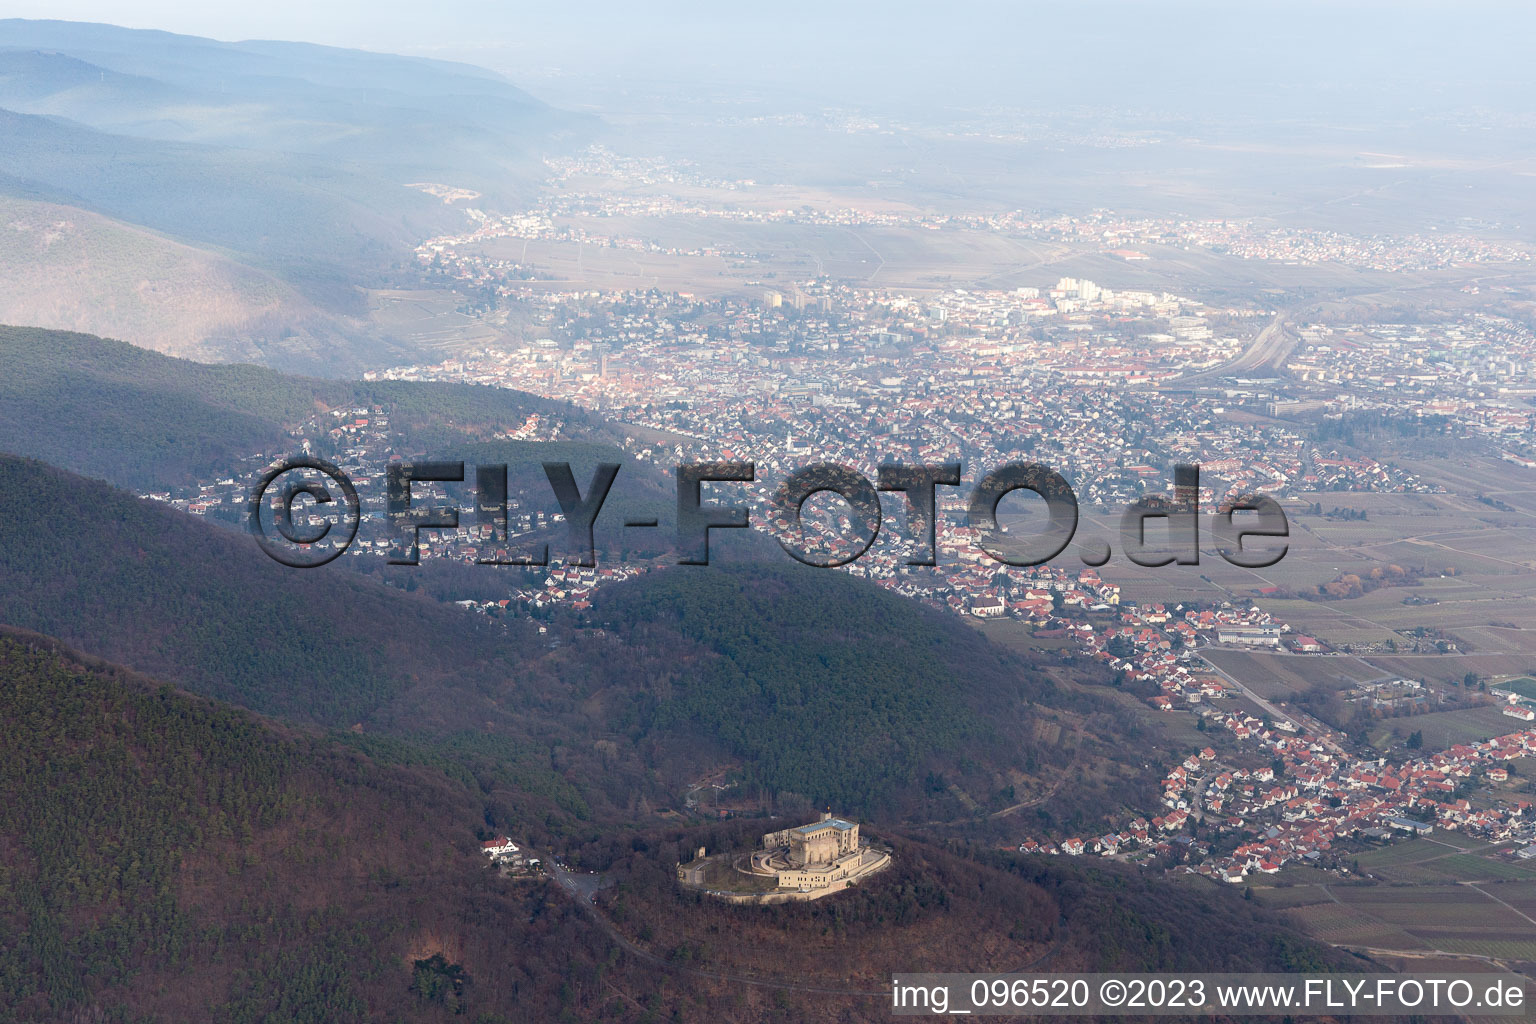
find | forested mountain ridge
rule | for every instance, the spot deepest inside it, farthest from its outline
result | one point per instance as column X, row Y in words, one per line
column 140, row 584
column 683, row 670
column 146, row 421
column 164, row 857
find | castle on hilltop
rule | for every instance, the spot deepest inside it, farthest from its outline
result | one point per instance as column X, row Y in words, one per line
column 818, row 858
column 805, row 862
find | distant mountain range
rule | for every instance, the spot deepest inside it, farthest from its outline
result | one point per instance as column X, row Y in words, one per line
column 291, row 158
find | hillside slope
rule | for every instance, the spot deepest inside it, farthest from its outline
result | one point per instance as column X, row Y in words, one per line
column 1028, row 913
column 288, row 213
column 829, row 691
column 69, row 269
column 139, row 584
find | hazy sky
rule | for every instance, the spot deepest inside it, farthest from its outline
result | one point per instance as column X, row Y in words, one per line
column 1230, row 53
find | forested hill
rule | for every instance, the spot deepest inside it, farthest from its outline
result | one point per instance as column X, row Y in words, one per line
column 166, row 858
column 812, row 688
column 164, row 593
column 145, row 421
column 820, row 688
column 1025, row 914
column 137, row 583
column 828, row 689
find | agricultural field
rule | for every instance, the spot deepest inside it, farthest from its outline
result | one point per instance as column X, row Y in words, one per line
column 1335, row 623
column 1417, row 851
column 705, row 255
column 1299, row 876
column 1470, row 868
column 429, row 320
column 1493, row 477
column 1447, row 866
column 1020, row 636
column 1470, row 575
column 1272, row 674
column 1521, row 895
column 1344, row 925
column 1514, row 949
column 1288, row 897
column 1412, row 874
column 1450, row 668
column 1453, row 918
column 1429, row 904
column 1442, row 729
